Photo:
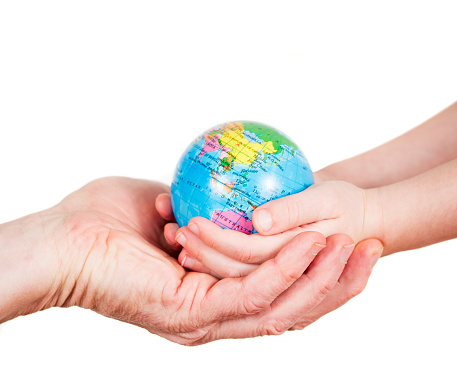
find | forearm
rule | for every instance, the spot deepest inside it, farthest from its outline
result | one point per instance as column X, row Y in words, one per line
column 27, row 267
column 416, row 212
column 423, row 148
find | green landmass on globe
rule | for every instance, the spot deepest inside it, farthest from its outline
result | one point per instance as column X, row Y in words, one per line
column 232, row 169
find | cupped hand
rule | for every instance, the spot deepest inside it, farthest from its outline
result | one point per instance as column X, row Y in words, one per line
column 224, row 253
column 344, row 269
column 115, row 261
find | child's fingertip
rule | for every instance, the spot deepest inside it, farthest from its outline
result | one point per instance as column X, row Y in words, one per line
column 187, row 261
column 170, row 233
column 194, row 228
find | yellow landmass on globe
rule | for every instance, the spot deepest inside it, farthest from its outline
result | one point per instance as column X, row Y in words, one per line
column 241, row 149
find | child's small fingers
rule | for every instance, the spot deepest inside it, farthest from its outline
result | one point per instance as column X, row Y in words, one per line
column 219, row 263
column 253, row 248
column 163, row 206
column 169, row 232
column 189, row 262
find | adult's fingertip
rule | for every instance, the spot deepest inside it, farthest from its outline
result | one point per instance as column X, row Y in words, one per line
column 372, row 250
column 375, row 255
column 163, row 206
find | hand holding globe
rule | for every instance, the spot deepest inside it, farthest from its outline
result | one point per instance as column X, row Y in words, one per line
column 232, row 169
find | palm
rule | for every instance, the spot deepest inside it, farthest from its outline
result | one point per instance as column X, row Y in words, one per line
column 128, row 267
column 129, row 201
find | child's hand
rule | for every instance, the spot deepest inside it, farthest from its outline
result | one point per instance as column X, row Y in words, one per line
column 225, row 252
column 328, row 207
column 228, row 252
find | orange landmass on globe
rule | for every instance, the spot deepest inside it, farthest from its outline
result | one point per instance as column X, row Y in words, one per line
column 219, row 186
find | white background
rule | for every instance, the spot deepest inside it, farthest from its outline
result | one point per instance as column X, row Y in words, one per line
column 94, row 88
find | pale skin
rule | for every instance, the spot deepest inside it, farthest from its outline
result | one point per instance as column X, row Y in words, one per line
column 403, row 193
column 103, row 248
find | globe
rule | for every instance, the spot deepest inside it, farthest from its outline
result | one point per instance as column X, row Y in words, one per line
column 232, row 169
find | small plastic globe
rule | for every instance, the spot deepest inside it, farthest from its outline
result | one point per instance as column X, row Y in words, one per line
column 232, row 169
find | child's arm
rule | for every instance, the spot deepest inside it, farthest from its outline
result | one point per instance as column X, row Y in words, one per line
column 425, row 147
column 406, row 215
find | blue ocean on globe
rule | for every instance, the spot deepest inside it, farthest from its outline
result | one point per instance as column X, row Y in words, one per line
column 232, row 169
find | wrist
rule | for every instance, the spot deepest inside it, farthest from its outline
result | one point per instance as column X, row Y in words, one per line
column 30, row 264
column 373, row 217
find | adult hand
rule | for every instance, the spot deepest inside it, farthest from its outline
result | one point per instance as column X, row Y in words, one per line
column 224, row 253
column 102, row 248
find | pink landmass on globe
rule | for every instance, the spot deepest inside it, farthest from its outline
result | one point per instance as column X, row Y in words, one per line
column 211, row 145
column 236, row 220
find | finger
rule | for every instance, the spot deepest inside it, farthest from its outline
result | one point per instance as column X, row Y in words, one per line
column 352, row 281
column 169, row 232
column 256, row 291
column 253, row 248
column 308, row 206
column 210, row 258
column 305, row 294
column 187, row 261
column 326, row 227
column 163, row 206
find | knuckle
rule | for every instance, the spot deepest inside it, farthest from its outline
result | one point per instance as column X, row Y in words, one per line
column 243, row 255
column 213, row 237
column 232, row 273
column 355, row 290
column 212, row 242
column 194, row 250
column 333, row 200
column 253, row 305
column 193, row 338
column 324, row 288
column 273, row 327
column 287, row 275
column 293, row 211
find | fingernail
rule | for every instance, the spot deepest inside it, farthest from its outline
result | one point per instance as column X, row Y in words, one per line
column 181, row 239
column 346, row 253
column 194, row 228
column 264, row 220
column 316, row 248
column 187, row 262
column 375, row 255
